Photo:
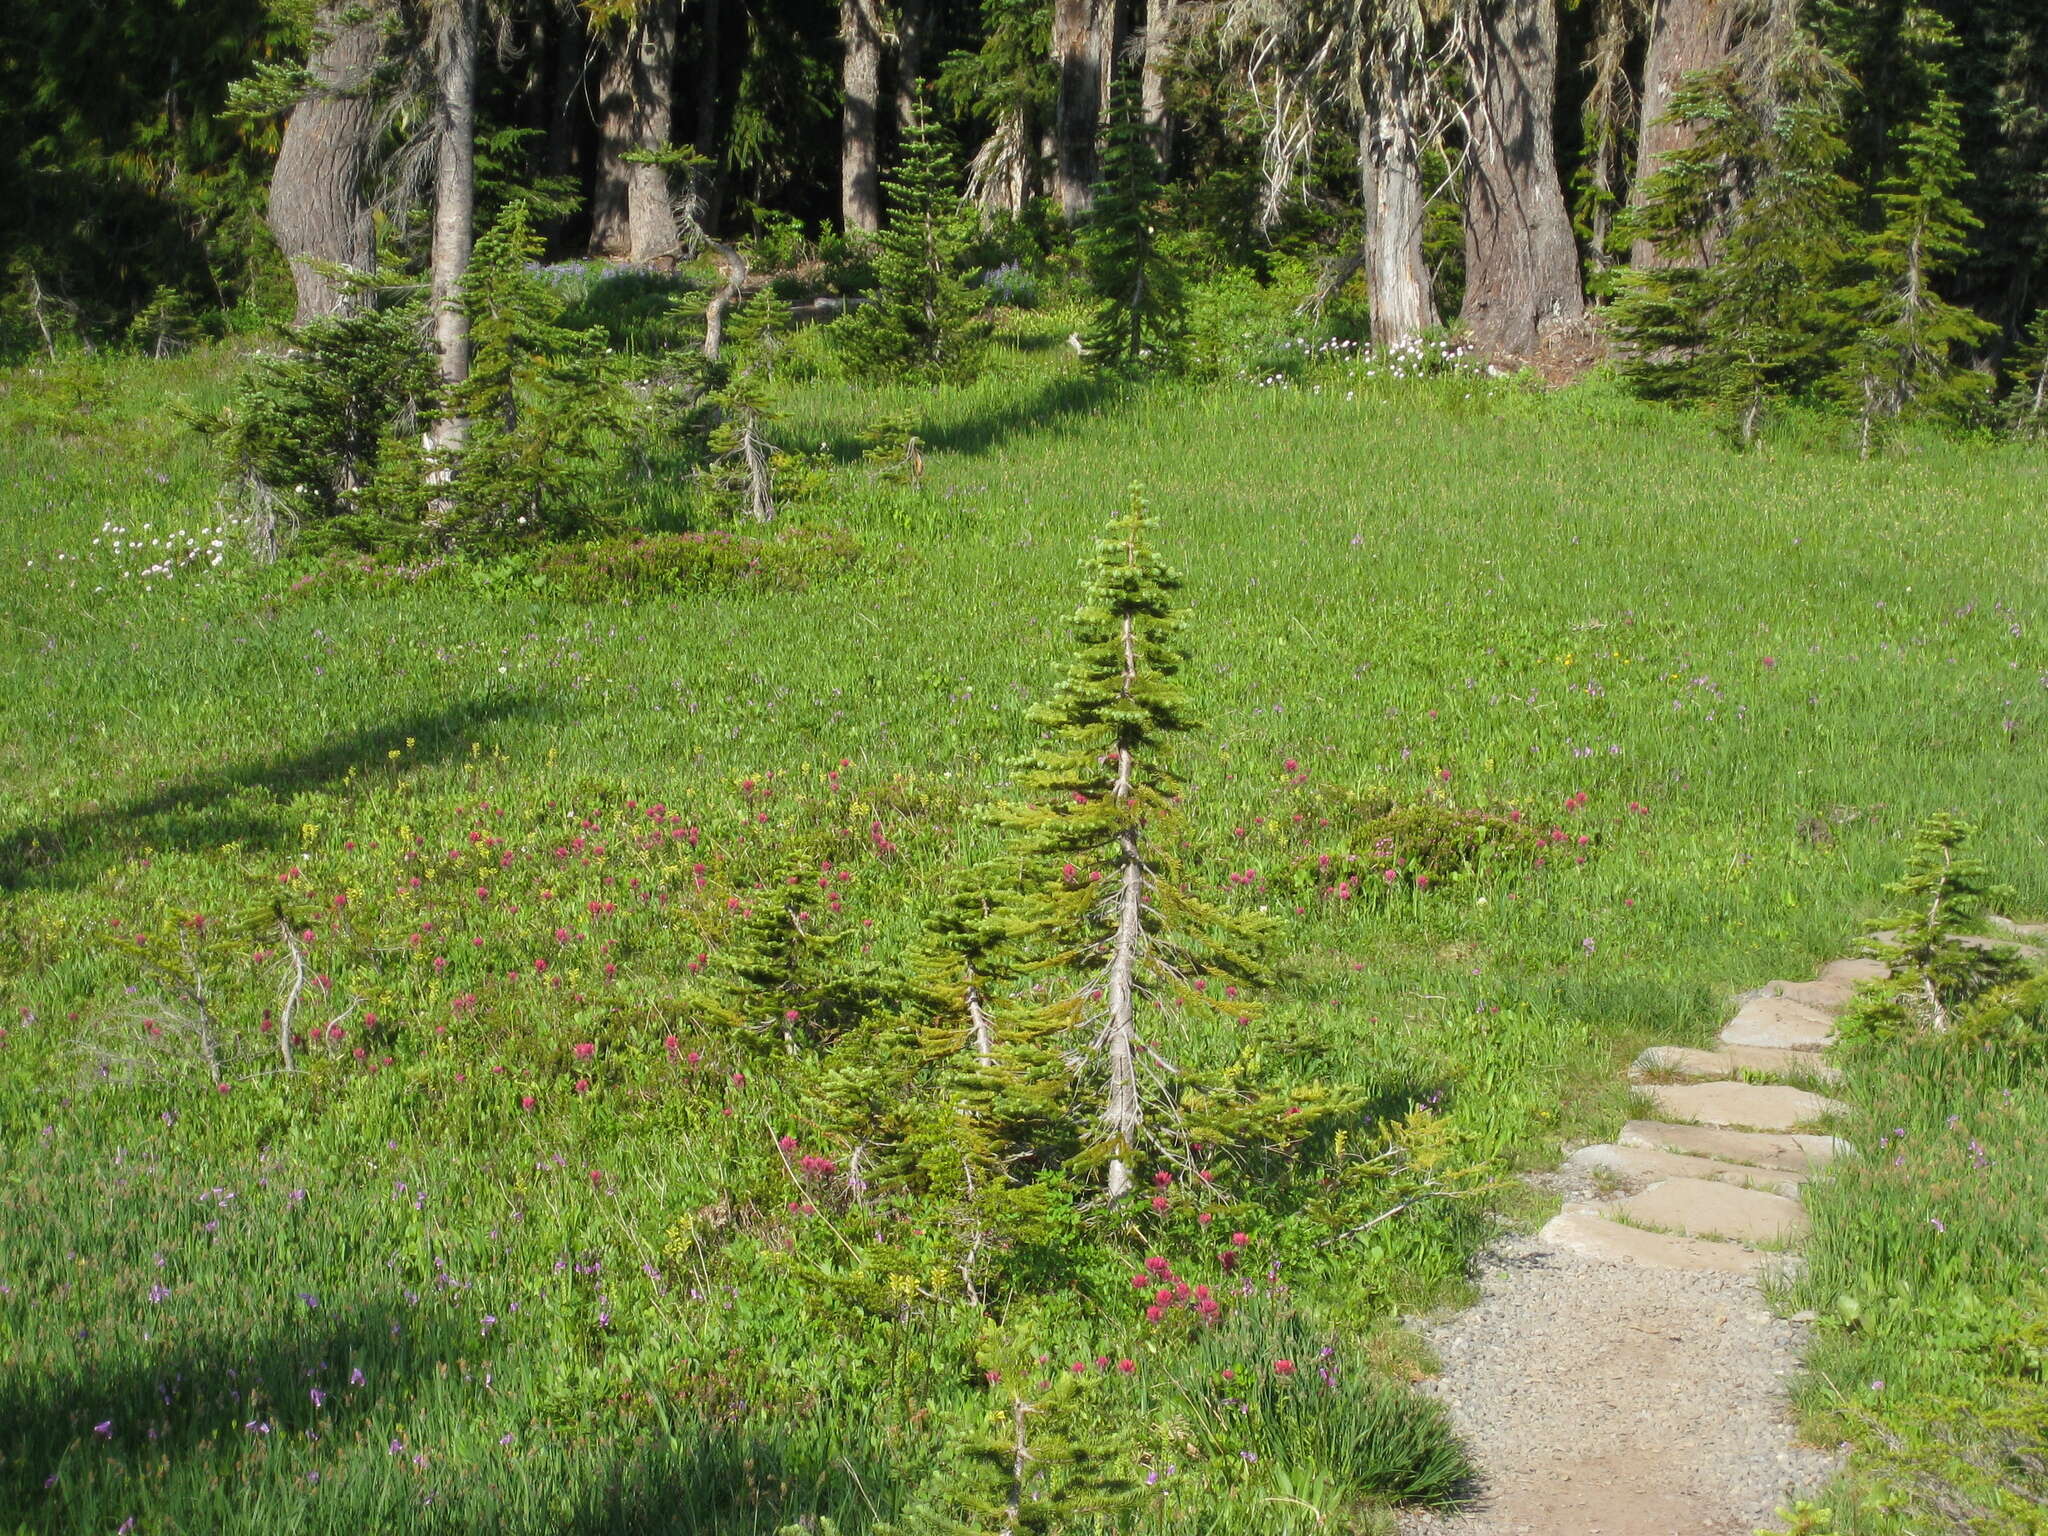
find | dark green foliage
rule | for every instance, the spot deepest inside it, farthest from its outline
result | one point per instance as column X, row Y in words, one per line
column 2026, row 402
column 1935, row 974
column 925, row 318
column 321, row 432
column 1140, row 312
column 652, row 565
column 740, row 478
column 1904, row 355
column 1756, row 216
column 545, row 405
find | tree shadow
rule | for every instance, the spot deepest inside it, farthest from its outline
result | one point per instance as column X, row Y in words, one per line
column 1050, row 404
column 239, row 804
column 328, row 1423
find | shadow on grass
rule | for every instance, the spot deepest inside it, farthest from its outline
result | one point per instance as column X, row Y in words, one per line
column 239, row 804
column 1000, row 419
column 234, row 1433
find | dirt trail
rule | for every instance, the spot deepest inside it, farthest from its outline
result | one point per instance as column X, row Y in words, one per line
column 1621, row 1374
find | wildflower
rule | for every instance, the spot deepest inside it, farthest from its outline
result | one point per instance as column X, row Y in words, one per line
column 1154, row 1313
column 1127, row 1366
column 104, row 1429
column 585, row 1050
column 787, row 1143
column 1158, row 1264
column 319, row 1397
column 1205, row 1218
column 1162, row 1178
column 1161, row 1203
column 583, row 1085
column 1283, row 1367
column 1238, row 1239
column 526, row 1101
column 355, row 1377
column 506, row 1438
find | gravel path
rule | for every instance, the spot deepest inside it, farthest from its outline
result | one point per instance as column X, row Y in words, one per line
column 1605, row 1399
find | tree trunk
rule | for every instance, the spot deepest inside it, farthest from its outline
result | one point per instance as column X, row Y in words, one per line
column 860, row 79
column 1522, row 279
column 317, row 208
column 1390, row 167
column 1122, row 1113
column 572, row 40
column 1160, row 16
column 1077, row 114
column 650, row 213
column 1685, row 35
column 913, row 23
column 453, row 42
column 611, row 226
column 711, row 186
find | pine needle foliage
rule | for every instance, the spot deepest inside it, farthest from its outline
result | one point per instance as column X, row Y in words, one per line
column 546, row 406
column 1140, row 314
column 739, row 479
column 1904, row 353
column 1103, row 896
column 925, row 318
column 1935, row 975
column 1759, row 213
column 2026, row 403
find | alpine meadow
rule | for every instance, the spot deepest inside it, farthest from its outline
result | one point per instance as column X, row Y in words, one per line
column 979, row 767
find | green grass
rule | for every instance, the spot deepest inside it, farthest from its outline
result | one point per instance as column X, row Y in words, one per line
column 1759, row 671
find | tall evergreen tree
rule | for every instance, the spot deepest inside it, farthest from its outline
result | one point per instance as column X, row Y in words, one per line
column 924, row 318
column 1138, row 318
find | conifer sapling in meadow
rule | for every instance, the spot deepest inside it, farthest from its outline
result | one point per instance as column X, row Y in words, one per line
column 925, row 318
column 1103, row 891
column 1139, row 317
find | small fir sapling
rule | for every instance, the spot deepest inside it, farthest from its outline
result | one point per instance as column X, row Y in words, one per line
column 784, row 978
column 1903, row 354
column 2026, row 404
column 1103, row 898
column 545, row 404
column 1140, row 312
column 924, row 319
column 740, row 477
column 1757, row 213
column 1935, row 975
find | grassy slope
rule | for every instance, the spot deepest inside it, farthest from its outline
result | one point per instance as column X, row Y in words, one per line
column 1782, row 660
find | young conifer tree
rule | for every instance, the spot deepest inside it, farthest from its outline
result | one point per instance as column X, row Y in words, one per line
column 1103, row 893
column 2026, row 404
column 1759, row 208
column 1140, row 311
column 924, row 318
column 1904, row 352
column 785, row 980
column 543, row 403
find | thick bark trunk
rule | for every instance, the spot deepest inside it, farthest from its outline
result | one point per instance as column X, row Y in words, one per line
column 611, row 226
column 1390, row 168
column 454, row 48
column 317, row 208
column 1522, row 277
column 1077, row 114
column 650, row 214
column 860, row 82
column 1160, row 16
column 913, row 24
column 1685, row 35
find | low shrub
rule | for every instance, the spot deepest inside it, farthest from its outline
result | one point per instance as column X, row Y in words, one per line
column 646, row 565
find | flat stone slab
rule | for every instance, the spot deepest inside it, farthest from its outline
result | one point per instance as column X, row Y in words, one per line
column 1583, row 1230
column 2024, row 930
column 1827, row 996
column 1977, row 941
column 1649, row 1164
column 1683, row 1061
column 1855, row 970
column 1710, row 1208
column 1779, row 1023
column 1750, row 1106
column 1761, row 1149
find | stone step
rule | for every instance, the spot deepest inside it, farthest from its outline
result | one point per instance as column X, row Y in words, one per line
column 1583, row 1230
column 1827, row 996
column 1646, row 1165
column 1790, row 1152
column 1746, row 1106
column 1854, row 970
column 1682, row 1061
column 1779, row 1023
column 1712, row 1209
column 1977, row 941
